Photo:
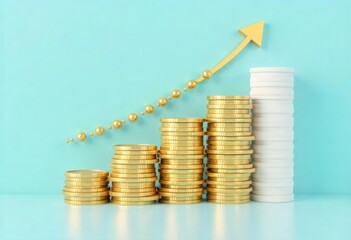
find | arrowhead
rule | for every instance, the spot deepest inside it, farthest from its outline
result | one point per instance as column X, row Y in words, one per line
column 254, row 32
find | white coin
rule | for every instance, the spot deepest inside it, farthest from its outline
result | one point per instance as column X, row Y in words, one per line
column 271, row 97
column 273, row 191
column 272, row 91
column 273, row 145
column 269, row 102
column 264, row 123
column 272, row 117
column 273, row 155
column 262, row 137
column 276, row 170
column 278, row 198
column 272, row 176
column 273, row 108
column 267, row 82
column 277, row 184
column 278, row 181
column 275, row 151
column 273, row 164
column 272, row 70
column 273, row 131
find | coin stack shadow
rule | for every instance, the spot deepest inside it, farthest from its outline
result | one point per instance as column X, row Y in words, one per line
column 133, row 174
column 86, row 187
column 182, row 154
column 272, row 93
column 229, row 150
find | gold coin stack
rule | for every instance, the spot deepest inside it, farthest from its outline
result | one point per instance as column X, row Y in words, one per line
column 86, row 187
column 133, row 174
column 229, row 149
column 182, row 153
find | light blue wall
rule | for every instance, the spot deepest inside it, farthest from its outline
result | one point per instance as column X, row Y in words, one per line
column 72, row 65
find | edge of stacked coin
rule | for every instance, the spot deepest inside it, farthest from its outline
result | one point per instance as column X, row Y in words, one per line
column 86, row 187
column 229, row 151
column 181, row 153
column 133, row 174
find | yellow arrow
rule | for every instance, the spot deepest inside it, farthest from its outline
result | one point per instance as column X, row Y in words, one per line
column 252, row 33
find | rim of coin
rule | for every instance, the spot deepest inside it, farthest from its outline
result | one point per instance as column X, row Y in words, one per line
column 132, row 194
column 183, row 166
column 228, row 156
column 228, row 162
column 175, row 156
column 231, row 171
column 223, row 138
column 130, row 180
column 165, row 201
column 181, row 171
column 129, row 167
column 181, row 134
column 182, row 120
column 132, row 171
column 181, row 177
column 228, row 125
column 183, row 137
column 228, row 129
column 177, row 180
column 235, row 175
column 134, row 162
column 167, row 186
column 229, row 191
column 135, row 175
column 227, row 187
column 263, row 198
column 86, row 180
column 136, row 147
column 226, row 183
column 180, row 129
column 182, row 143
column 225, row 106
column 181, row 190
column 229, row 152
column 228, row 115
column 86, row 173
column 181, row 183
column 135, row 152
column 181, row 148
column 182, row 161
column 189, row 198
column 228, row 147
column 227, row 197
column 225, row 167
column 180, row 194
column 85, row 194
column 228, row 97
column 181, row 152
column 83, row 184
column 85, row 190
column 227, row 111
column 182, row 125
column 133, row 190
column 133, row 157
column 228, row 134
column 87, row 202
column 240, row 177
column 80, row 198
column 226, row 143
column 227, row 202
column 133, row 185
column 228, row 120
column 133, row 203
column 136, row 199
column 228, row 101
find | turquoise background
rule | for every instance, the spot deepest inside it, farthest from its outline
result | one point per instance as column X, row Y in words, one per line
column 69, row 66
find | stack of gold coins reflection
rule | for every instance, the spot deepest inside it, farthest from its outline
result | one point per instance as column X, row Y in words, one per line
column 229, row 149
column 86, row 187
column 182, row 153
column 133, row 174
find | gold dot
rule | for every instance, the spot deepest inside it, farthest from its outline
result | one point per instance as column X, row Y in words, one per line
column 100, row 131
column 176, row 93
column 133, row 117
column 67, row 141
column 110, row 127
column 207, row 74
column 91, row 134
column 185, row 89
column 81, row 137
column 149, row 109
column 170, row 98
column 123, row 121
column 142, row 113
column 192, row 84
column 72, row 139
column 162, row 102
column 117, row 124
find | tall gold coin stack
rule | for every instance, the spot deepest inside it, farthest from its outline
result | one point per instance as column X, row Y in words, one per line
column 133, row 174
column 182, row 153
column 86, row 187
column 229, row 149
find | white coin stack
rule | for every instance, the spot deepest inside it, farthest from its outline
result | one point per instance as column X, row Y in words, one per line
column 272, row 94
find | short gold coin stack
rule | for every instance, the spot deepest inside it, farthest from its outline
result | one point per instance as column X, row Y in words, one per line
column 86, row 187
column 133, row 174
column 182, row 153
column 229, row 149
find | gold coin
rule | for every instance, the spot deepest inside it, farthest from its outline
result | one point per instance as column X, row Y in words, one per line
column 189, row 198
column 227, row 111
column 134, row 157
column 229, row 134
column 228, row 187
column 181, row 187
column 233, row 191
column 182, row 125
column 135, row 153
column 133, row 162
column 228, row 175
column 132, row 194
column 183, row 138
column 228, row 143
column 86, row 194
column 228, row 147
column 231, row 197
column 180, row 171
column 165, row 135
column 234, row 171
column 87, row 202
column 224, row 138
column 135, row 175
column 181, row 190
column 137, row 147
column 170, row 177
column 174, row 156
column 183, row 166
column 132, row 203
column 180, row 195
column 182, row 183
column 230, row 163
column 181, row 152
column 134, row 190
column 223, row 115
column 228, row 157
column 182, row 148
column 130, row 167
column 228, row 120
column 133, row 185
column 233, row 179
column 229, row 106
column 79, row 198
column 86, row 174
column 228, row 201
column 228, row 129
column 132, row 171
column 85, row 190
column 222, row 184
column 182, row 120
column 182, row 162
column 136, row 199
column 130, row 180
column 228, row 97
column 180, row 129
column 180, row 202
column 86, row 185
column 86, row 180
column 181, row 143
column 228, row 167
column 228, row 125
column 230, row 152
column 176, row 180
